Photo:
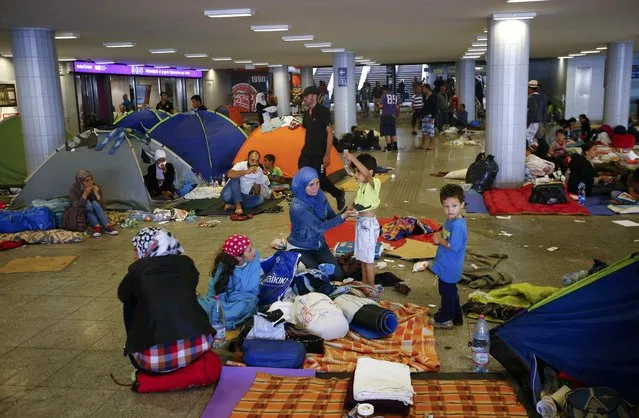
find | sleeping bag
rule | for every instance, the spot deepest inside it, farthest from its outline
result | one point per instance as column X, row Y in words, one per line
column 319, row 315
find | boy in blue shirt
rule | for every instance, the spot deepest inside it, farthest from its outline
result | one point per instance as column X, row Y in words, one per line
column 449, row 260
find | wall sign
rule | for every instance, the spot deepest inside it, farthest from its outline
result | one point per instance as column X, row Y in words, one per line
column 635, row 71
column 342, row 76
column 8, row 95
column 121, row 69
column 246, row 86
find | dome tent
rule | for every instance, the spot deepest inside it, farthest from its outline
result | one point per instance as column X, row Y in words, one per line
column 13, row 165
column 141, row 121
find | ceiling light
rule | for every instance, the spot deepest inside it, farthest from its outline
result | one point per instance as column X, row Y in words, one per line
column 274, row 65
column 222, row 59
column 163, row 51
column 229, row 13
column 523, row 1
column 333, row 49
column 577, row 55
column 477, row 49
column 298, row 38
column 119, row 44
column 590, row 52
column 566, row 57
column 602, row 48
column 203, row 69
column 319, row 45
column 359, row 58
column 479, row 68
column 485, row 30
column 269, row 28
column 514, row 16
column 66, row 35
column 105, row 62
column 469, row 57
column 243, row 62
column 196, row 55
column 7, row 55
column 482, row 38
column 260, row 64
column 482, row 44
column 67, row 59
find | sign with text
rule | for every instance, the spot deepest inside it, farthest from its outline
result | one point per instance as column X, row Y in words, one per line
column 342, row 76
column 246, row 86
column 121, row 69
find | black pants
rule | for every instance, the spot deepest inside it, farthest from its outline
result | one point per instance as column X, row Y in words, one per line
column 312, row 259
column 450, row 309
column 316, row 163
column 416, row 119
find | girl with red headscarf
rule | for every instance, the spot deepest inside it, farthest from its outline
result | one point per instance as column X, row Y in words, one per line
column 235, row 279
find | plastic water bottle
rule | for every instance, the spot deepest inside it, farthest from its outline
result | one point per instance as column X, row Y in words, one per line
column 581, row 193
column 217, row 321
column 570, row 278
column 480, row 346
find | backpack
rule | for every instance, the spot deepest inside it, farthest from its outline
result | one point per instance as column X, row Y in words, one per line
column 595, row 402
column 482, row 172
column 548, row 194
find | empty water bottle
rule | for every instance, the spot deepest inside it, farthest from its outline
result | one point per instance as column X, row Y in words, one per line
column 218, row 324
column 582, row 193
column 570, row 278
column 480, row 346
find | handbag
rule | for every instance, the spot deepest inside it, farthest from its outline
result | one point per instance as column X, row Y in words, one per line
column 548, row 194
column 74, row 219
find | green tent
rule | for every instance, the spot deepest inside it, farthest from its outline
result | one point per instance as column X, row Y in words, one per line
column 13, row 165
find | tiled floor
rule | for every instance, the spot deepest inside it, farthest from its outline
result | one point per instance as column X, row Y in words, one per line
column 61, row 334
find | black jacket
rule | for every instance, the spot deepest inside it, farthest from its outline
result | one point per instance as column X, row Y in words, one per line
column 581, row 170
column 159, row 294
column 430, row 105
column 151, row 181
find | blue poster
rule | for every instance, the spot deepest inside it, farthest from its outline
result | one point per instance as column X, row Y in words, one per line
column 342, row 75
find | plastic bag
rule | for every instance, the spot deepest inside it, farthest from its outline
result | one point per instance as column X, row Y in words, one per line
column 31, row 219
column 279, row 269
column 266, row 330
column 482, row 173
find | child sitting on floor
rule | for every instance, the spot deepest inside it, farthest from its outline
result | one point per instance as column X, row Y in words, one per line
column 236, row 280
column 86, row 194
column 558, row 151
column 366, row 201
column 275, row 174
column 449, row 260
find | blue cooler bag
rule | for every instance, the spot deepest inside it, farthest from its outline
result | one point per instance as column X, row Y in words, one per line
column 286, row 354
column 31, row 219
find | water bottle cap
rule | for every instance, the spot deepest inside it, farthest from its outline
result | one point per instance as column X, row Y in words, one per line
column 481, row 316
column 216, row 297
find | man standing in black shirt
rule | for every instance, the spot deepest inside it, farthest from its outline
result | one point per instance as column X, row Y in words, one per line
column 165, row 104
column 318, row 141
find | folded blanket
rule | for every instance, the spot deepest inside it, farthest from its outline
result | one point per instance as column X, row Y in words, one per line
column 350, row 304
column 382, row 406
column 373, row 321
column 379, row 379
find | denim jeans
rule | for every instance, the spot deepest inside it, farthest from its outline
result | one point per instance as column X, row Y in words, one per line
column 232, row 194
column 450, row 309
column 95, row 214
column 313, row 258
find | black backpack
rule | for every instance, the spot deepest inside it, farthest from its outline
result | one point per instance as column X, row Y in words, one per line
column 548, row 194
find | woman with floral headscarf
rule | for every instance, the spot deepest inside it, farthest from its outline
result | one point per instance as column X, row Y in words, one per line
column 235, row 280
column 166, row 327
column 85, row 194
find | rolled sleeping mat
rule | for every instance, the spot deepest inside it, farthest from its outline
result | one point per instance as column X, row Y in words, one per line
column 372, row 321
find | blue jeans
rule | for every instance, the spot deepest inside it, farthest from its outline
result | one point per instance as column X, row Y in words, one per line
column 313, row 258
column 232, row 194
column 95, row 214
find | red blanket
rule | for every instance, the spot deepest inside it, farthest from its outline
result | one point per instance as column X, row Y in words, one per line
column 346, row 232
column 515, row 202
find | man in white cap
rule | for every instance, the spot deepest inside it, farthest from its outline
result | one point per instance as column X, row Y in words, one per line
column 535, row 119
column 160, row 177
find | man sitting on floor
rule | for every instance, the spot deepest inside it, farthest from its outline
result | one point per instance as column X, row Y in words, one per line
column 243, row 190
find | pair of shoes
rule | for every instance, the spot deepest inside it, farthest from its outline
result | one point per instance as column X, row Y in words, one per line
column 413, row 133
column 341, row 201
column 97, row 231
column 109, row 230
column 402, row 288
column 240, row 217
column 444, row 325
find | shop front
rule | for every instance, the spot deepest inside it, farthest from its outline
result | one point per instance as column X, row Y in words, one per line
column 105, row 91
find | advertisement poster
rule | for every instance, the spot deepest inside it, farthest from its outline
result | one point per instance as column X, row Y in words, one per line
column 246, row 85
column 8, row 95
column 635, row 71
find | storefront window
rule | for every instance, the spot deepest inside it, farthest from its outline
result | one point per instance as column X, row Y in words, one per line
column 120, row 85
column 169, row 86
column 147, row 93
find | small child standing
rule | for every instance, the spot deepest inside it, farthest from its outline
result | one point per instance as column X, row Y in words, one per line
column 366, row 201
column 449, row 260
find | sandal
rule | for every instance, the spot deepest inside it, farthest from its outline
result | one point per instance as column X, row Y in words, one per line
column 402, row 288
column 240, row 217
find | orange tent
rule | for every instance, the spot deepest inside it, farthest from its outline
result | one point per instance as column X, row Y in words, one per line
column 286, row 145
column 235, row 115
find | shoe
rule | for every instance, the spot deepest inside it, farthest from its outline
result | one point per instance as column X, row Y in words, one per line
column 341, row 201
column 109, row 230
column 444, row 325
column 458, row 323
column 97, row 232
column 413, row 133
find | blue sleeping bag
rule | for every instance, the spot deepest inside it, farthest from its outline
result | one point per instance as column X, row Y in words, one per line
column 30, row 219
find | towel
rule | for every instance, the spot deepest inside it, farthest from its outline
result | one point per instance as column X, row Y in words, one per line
column 379, row 379
column 372, row 321
column 350, row 304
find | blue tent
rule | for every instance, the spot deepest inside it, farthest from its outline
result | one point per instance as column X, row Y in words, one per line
column 589, row 330
column 206, row 140
column 141, row 121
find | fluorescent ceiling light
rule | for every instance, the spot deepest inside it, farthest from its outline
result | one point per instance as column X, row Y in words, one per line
column 479, row 68
column 119, row 44
column 319, row 45
column 482, row 38
column 274, row 65
column 477, row 49
column 566, row 57
column 243, row 62
column 269, row 28
column 229, row 13
column 590, row 52
column 482, row 44
column 485, row 30
column 7, row 55
column 514, row 16
column 66, row 35
column 163, row 51
column 359, row 58
column 333, row 49
column 298, row 38
column 523, row 1
column 260, row 64
column 602, row 48
column 577, row 55
column 222, row 59
column 67, row 59
column 196, row 55
column 468, row 57
column 105, row 62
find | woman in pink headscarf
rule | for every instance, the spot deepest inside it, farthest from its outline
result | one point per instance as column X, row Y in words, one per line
column 235, row 280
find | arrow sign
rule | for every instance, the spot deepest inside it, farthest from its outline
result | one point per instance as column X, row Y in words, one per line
column 342, row 73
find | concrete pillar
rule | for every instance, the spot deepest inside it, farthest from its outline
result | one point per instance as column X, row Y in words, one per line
column 39, row 93
column 306, row 74
column 466, row 85
column 506, row 96
column 617, row 83
column 282, row 89
column 344, row 95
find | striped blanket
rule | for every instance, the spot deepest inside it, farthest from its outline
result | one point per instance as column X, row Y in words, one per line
column 413, row 344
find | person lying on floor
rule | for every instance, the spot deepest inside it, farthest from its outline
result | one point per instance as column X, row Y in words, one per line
column 86, row 194
column 235, row 280
column 311, row 216
column 583, row 171
column 166, row 328
column 160, row 177
column 537, row 167
column 242, row 191
column 631, row 197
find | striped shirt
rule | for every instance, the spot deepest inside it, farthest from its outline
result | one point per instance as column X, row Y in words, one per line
column 417, row 101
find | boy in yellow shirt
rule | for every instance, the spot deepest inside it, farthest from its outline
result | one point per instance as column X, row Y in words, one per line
column 366, row 201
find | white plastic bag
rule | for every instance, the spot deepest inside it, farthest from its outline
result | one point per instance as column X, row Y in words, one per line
column 263, row 329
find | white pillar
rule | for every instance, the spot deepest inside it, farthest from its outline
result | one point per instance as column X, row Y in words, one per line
column 39, row 93
column 617, row 83
column 507, row 72
column 282, row 89
column 344, row 96
column 306, row 74
column 466, row 85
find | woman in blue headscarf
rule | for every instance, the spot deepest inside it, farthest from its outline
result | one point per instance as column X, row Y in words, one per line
column 311, row 216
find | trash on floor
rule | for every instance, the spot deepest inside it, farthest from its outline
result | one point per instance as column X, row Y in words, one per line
column 420, row 266
column 551, row 249
column 505, row 234
column 503, row 217
column 626, row 223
